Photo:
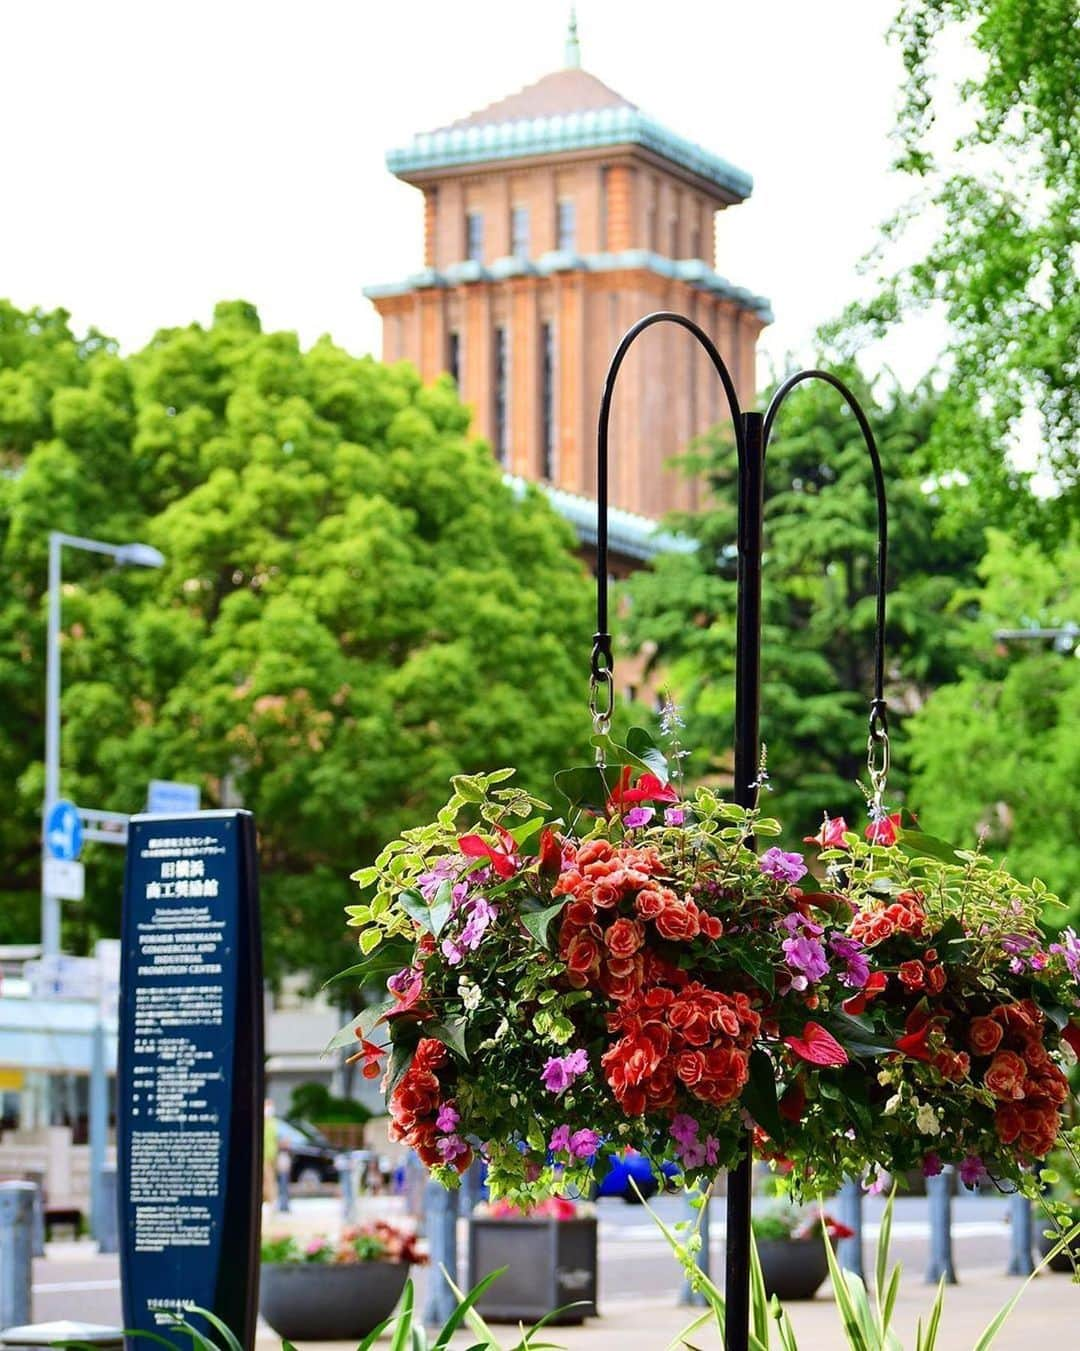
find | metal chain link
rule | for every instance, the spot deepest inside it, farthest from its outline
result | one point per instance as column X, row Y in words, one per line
column 878, row 756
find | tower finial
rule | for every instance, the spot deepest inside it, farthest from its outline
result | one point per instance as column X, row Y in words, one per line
column 573, row 46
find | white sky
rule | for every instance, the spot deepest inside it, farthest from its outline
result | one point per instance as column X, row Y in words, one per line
column 159, row 156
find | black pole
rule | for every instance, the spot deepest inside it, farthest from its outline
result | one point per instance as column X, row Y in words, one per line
column 747, row 752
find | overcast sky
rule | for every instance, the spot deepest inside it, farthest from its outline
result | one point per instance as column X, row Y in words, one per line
column 161, row 156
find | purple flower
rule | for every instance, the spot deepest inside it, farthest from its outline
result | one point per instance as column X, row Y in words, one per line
column 691, row 1154
column 444, row 869
column 447, row 1119
column 877, row 1184
column 1069, row 948
column 684, row 1128
column 806, row 957
column 481, row 913
column 972, row 1171
column 932, row 1165
column 583, row 1143
column 638, row 816
column 560, row 1140
column 401, row 981
column 453, row 951
column 712, row 1150
column 675, row 816
column 784, row 867
column 450, row 1147
column 561, row 1071
column 857, row 965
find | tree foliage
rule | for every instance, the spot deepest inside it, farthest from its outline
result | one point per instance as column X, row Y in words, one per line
column 354, row 605
column 997, row 750
column 818, row 599
column 1003, row 262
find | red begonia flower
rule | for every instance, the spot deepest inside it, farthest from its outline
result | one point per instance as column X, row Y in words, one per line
column 886, row 831
column 817, row 1046
column 831, row 834
column 647, row 789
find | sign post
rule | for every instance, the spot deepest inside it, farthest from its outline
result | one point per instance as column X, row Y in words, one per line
column 190, row 1085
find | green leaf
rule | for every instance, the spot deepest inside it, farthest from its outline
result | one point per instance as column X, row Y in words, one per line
column 586, row 786
column 392, row 955
column 364, row 877
column 539, row 921
column 757, row 967
column 361, row 1026
column 397, row 1065
column 523, row 833
column 370, row 939
column 642, row 746
column 759, row 1096
column 450, row 1033
column 917, row 845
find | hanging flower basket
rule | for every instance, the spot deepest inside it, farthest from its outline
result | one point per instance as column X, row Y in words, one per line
column 632, row 972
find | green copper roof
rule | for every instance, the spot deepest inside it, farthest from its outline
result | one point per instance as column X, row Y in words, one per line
column 692, row 270
column 629, row 534
column 594, row 129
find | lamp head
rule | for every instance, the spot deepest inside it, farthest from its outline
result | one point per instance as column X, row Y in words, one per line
column 140, row 555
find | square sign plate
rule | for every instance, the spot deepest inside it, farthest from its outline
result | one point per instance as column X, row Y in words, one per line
column 65, row 878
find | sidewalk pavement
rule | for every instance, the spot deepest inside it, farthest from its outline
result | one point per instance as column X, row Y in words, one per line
column 1048, row 1310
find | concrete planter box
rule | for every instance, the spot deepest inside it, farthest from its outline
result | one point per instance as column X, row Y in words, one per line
column 549, row 1263
column 313, row 1302
column 793, row 1268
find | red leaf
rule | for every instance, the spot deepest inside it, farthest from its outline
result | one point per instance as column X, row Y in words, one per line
column 817, row 1046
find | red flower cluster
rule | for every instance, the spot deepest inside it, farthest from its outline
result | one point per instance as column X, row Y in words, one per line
column 604, row 947
column 1029, row 1088
column 904, row 916
column 415, row 1102
column 692, row 1037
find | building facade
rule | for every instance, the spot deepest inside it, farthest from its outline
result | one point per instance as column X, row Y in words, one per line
column 553, row 220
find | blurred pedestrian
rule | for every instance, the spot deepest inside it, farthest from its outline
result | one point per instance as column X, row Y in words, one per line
column 270, row 1149
column 284, row 1177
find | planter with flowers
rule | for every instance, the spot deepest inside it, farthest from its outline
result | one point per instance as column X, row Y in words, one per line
column 550, row 1258
column 632, row 972
column 791, row 1248
column 334, row 1289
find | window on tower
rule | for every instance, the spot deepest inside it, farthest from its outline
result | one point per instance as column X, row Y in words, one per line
column 566, row 227
column 474, row 236
column 547, row 401
column 519, row 231
column 453, row 356
column 499, row 389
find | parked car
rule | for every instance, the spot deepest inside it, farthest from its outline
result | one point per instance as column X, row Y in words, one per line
column 631, row 1176
column 313, row 1156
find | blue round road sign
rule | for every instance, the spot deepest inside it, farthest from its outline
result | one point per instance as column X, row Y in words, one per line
column 63, row 830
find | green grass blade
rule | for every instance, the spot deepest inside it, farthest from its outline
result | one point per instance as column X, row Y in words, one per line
column 759, row 1303
column 860, row 1301
column 998, row 1321
column 881, row 1265
column 848, row 1316
column 404, row 1330
column 466, row 1313
column 231, row 1339
column 888, row 1304
column 679, row 1340
column 935, row 1316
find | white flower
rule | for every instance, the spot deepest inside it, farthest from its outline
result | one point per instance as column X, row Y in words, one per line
column 926, row 1120
column 892, row 1106
column 470, row 994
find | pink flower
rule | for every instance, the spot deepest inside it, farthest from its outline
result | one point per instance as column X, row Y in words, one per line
column 561, row 1071
column 886, row 831
column 675, row 816
column 783, row 866
column 449, row 1147
column 932, row 1165
column 447, row 1119
column 684, row 1128
column 972, row 1171
column 583, row 1143
column 560, row 1140
column 638, row 816
column 831, row 834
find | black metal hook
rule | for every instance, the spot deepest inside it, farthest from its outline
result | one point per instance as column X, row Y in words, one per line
column 878, row 721
column 603, row 662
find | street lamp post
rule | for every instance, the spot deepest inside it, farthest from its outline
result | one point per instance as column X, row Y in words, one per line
column 139, row 555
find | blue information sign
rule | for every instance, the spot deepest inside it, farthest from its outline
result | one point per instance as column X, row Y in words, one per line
column 171, row 798
column 63, row 830
column 190, row 1074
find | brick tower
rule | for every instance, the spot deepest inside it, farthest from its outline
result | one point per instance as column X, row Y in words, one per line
column 553, row 219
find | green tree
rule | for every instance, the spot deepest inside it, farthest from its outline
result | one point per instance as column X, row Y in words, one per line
column 1002, row 264
column 997, row 750
column 818, row 600
column 354, row 605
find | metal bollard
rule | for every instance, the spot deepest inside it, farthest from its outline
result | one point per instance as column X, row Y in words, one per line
column 440, row 1226
column 99, row 1129
column 108, row 1236
column 283, row 1205
column 1021, row 1262
column 16, row 1252
column 469, row 1195
column 849, row 1251
column 347, row 1168
column 703, row 1258
column 939, row 1195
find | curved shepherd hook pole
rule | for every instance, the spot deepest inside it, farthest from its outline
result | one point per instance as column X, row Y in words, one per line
column 877, row 743
column 749, row 442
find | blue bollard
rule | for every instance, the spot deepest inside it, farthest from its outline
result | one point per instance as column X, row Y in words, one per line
column 16, row 1252
column 440, row 1226
column 347, row 1169
column 849, row 1251
column 939, row 1195
column 1021, row 1261
column 703, row 1258
column 283, row 1170
column 108, row 1235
